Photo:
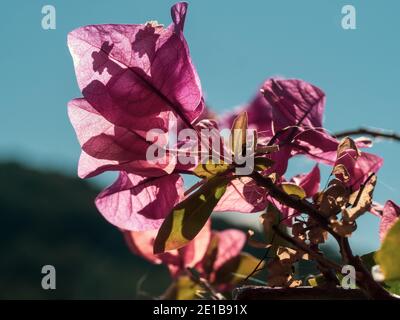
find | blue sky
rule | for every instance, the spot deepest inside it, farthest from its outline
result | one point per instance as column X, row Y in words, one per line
column 235, row 46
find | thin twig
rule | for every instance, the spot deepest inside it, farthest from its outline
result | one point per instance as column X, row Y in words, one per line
column 375, row 133
column 206, row 285
column 257, row 267
column 194, row 187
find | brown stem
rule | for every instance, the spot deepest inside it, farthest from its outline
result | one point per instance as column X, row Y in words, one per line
column 368, row 284
column 345, row 249
column 364, row 279
column 296, row 203
column 375, row 133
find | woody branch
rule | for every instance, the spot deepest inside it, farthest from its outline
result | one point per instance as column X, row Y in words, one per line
column 375, row 133
column 363, row 277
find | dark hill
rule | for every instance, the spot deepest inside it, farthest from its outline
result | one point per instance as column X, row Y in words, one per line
column 49, row 218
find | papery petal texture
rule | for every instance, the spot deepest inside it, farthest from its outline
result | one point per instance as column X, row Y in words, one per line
column 136, row 203
column 109, row 147
column 194, row 252
column 317, row 145
column 242, row 195
column 141, row 243
column 391, row 213
column 130, row 73
column 230, row 244
column 294, row 101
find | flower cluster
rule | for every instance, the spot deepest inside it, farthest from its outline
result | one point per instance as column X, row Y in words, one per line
column 139, row 78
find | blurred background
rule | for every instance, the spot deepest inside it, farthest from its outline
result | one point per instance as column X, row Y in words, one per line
column 47, row 215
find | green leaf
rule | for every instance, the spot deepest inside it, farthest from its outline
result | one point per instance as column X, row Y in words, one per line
column 183, row 288
column 393, row 286
column 237, row 269
column 238, row 133
column 293, row 190
column 262, row 163
column 209, row 169
column 271, row 218
column 188, row 217
column 369, row 261
column 211, row 254
column 388, row 256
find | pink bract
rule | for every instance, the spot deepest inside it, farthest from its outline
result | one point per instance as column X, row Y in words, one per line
column 230, row 245
column 134, row 75
column 295, row 102
column 133, row 78
column 390, row 214
column 137, row 203
column 108, row 147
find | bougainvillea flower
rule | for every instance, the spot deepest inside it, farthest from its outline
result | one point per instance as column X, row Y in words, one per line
column 283, row 103
column 390, row 214
column 292, row 111
column 320, row 146
column 230, row 244
column 134, row 75
column 366, row 164
column 289, row 113
column 309, row 182
column 294, row 102
column 284, row 110
column 133, row 79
